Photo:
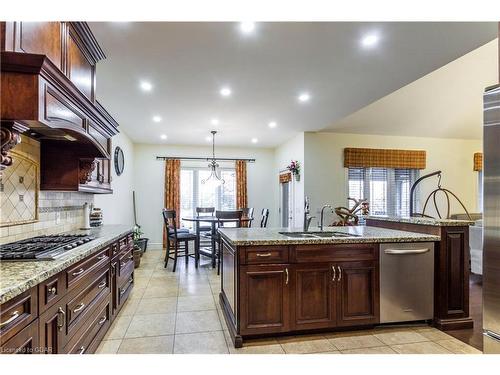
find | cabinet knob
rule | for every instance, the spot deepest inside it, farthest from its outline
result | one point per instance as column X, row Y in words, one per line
column 52, row 291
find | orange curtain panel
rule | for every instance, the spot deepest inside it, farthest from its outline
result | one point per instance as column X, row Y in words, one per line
column 172, row 198
column 241, row 184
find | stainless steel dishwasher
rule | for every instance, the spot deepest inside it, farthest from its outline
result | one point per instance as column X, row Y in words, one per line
column 406, row 282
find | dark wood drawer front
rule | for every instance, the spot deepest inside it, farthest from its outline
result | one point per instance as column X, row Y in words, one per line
column 24, row 342
column 125, row 273
column 115, row 249
column 18, row 313
column 124, row 289
column 96, row 327
column 84, row 268
column 124, row 262
column 124, row 243
column 51, row 291
column 263, row 254
column 328, row 253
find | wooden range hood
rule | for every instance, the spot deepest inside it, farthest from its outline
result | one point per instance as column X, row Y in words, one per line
column 48, row 93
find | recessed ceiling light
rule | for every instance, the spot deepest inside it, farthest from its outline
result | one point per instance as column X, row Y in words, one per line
column 247, row 27
column 156, row 118
column 225, row 91
column 272, row 124
column 146, row 86
column 163, row 136
column 369, row 40
column 255, row 140
column 304, row 97
column 214, row 121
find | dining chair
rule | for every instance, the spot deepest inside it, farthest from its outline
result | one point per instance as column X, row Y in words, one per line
column 265, row 216
column 205, row 211
column 176, row 239
column 222, row 216
column 247, row 212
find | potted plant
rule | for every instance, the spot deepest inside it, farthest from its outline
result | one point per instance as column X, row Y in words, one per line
column 140, row 242
column 294, row 167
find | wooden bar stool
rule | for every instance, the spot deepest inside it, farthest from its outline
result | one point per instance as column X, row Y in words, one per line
column 178, row 240
column 225, row 217
column 265, row 216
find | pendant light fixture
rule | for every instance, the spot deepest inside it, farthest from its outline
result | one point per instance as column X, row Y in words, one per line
column 215, row 174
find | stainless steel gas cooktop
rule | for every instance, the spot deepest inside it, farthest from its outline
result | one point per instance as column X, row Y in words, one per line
column 42, row 247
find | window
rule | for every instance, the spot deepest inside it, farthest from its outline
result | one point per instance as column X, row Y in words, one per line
column 480, row 190
column 195, row 194
column 387, row 190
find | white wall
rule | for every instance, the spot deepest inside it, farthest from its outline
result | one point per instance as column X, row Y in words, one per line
column 326, row 179
column 293, row 149
column 117, row 207
column 149, row 181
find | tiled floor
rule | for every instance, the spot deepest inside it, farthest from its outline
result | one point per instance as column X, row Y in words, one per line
column 179, row 313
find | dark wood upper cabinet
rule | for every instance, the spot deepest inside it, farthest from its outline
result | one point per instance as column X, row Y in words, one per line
column 52, row 67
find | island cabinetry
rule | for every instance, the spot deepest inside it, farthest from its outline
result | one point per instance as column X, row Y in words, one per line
column 17, row 313
column 265, row 295
column 284, row 289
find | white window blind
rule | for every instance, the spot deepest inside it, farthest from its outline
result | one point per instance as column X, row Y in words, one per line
column 387, row 190
column 195, row 194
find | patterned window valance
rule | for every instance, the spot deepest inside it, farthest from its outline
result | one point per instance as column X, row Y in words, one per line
column 285, row 177
column 384, row 158
column 478, row 161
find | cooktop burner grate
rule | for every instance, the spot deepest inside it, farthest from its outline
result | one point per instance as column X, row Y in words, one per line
column 42, row 247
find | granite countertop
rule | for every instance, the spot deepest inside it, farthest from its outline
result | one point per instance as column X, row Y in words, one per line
column 19, row 276
column 359, row 234
column 424, row 221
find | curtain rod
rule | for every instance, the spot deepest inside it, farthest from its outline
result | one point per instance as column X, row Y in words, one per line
column 204, row 159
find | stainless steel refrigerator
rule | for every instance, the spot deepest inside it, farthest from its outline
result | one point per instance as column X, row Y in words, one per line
column 491, row 210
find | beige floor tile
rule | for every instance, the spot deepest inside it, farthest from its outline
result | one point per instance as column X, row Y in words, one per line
column 458, row 347
column 151, row 325
column 162, row 273
column 306, row 344
column 130, row 307
column 376, row 350
column 108, row 347
column 258, row 349
column 162, row 282
column 138, row 272
column 427, row 347
column 118, row 328
column 332, row 352
column 147, row 345
column 433, row 334
column 400, row 337
column 195, row 303
column 201, row 343
column 141, row 282
column 164, row 305
column 136, row 293
column 355, row 342
column 160, row 291
column 194, row 290
column 197, row 321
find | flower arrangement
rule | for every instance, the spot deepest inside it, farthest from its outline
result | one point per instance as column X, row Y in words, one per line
column 294, row 167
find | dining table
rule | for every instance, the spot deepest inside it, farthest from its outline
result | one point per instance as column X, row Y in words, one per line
column 213, row 231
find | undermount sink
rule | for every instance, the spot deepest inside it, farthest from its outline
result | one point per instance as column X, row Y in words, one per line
column 317, row 234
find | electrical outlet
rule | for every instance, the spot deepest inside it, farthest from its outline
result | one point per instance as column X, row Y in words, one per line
column 58, row 217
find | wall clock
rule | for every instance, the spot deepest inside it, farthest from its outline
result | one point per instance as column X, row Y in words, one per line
column 119, row 161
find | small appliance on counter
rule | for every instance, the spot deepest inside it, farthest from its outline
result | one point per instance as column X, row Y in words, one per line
column 95, row 217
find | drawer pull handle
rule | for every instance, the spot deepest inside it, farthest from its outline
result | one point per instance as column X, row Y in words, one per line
column 101, row 321
column 52, row 291
column 334, row 273
column 13, row 317
column 102, row 285
column 122, row 292
column 286, row 273
column 82, row 350
column 340, row 273
column 101, row 257
column 60, row 317
column 264, row 255
column 79, row 307
column 131, row 257
column 79, row 272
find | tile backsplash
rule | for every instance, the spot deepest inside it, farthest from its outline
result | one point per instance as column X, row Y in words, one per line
column 56, row 211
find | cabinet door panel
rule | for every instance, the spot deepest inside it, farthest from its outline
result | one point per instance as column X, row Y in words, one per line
column 313, row 297
column 52, row 329
column 42, row 38
column 80, row 70
column 265, row 294
column 358, row 293
column 24, row 342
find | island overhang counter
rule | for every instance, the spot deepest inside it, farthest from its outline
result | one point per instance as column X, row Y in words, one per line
column 274, row 283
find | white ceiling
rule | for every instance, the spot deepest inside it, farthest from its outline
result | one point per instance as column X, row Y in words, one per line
column 189, row 62
column 446, row 103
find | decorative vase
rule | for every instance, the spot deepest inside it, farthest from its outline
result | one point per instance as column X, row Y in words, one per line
column 297, row 177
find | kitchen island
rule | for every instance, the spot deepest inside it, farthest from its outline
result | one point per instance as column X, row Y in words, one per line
column 277, row 282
